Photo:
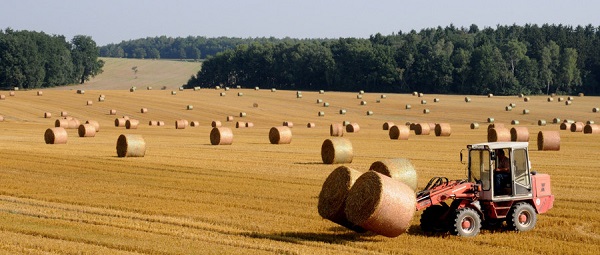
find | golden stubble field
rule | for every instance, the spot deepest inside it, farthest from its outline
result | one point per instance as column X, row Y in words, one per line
column 189, row 197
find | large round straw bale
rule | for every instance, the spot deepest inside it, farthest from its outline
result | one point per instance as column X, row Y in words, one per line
column 153, row 123
column 436, row 100
column 342, row 111
column 173, row 92
column 521, row 95
column 431, row 126
column 215, row 123
column 560, row 99
column 221, row 136
column 11, row 93
column 345, row 123
column 361, row 92
column 548, row 141
column 226, row 88
column 319, row 101
column 280, row 135
column 299, row 96
column 242, row 114
column 426, row 111
column 496, row 125
column 160, row 123
column 148, row 88
column 249, row 124
column 224, row 94
column 336, row 150
column 474, row 125
column 86, row 130
column 144, row 110
column 56, row 135
column 422, row 129
column 332, row 198
column 62, row 123
column 181, row 124
column 129, row 145
column 190, row 107
column 443, row 129
column 288, row 124
column 369, row 113
column 321, row 114
column 550, row 99
column 229, row 118
column 508, row 108
column 383, row 96
column 363, row 102
column 541, row 122
column 359, row 96
column 352, row 128
column 94, row 123
column 490, row 120
column 498, row 134
column 73, row 123
column 180, row 88
column 47, row 115
column 423, row 101
column 467, row 99
column 2, row 97
column 577, row 127
column 112, row 112
column 64, row 114
column 120, row 122
column 565, row 126
column 310, row 125
column 591, row 129
column 132, row 124
column 570, row 98
column 380, row 204
column 552, row 94
column 519, row 134
column 407, row 107
column 526, row 99
column 596, row 109
column 580, row 94
column 40, row 93
column 256, row 88
column 415, row 93
column 569, row 102
column 490, row 95
column 321, row 91
column 101, row 99
column 590, row 122
column 421, row 95
column 89, row 102
column 399, row 132
column 194, row 123
column 336, row 129
column 400, row 169
column 387, row 125
column 240, row 124
column 514, row 122
column 556, row 120
column 325, row 104
column 525, row 111
column 273, row 90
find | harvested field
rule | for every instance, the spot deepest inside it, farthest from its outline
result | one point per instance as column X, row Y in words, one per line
column 186, row 196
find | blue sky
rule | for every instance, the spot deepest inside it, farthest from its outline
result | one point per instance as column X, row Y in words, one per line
column 112, row 21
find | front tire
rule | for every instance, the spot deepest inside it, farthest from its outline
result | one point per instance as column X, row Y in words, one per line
column 466, row 223
column 522, row 217
column 432, row 219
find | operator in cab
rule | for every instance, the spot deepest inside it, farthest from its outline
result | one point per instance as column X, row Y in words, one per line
column 502, row 173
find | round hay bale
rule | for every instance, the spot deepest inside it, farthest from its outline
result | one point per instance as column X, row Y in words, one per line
column 443, row 129
column 422, row 129
column 490, row 95
column 577, row 127
column 112, row 112
column 129, row 145
column 352, row 128
column 361, row 92
column 194, row 124
column 421, row 95
column 552, row 94
column 321, row 114
column 342, row 111
column 383, row 96
column 436, row 100
column 325, row 104
column 249, row 124
column 508, row 108
column 556, row 120
column 94, row 123
column 144, row 110
column 100, row 99
column 423, row 101
column 407, row 107
column 242, row 114
column 548, row 141
column 153, row 123
column 215, row 123
column 86, row 130
column 2, row 97
column 321, row 91
column 160, row 123
column 498, row 134
column 380, row 204
column 310, row 125
column 467, row 99
column 399, row 132
column 336, row 129
column 550, row 99
column 525, row 111
column 224, row 94
column 180, row 88
column 363, row 102
column 221, row 136
column 181, row 124
column 513, row 105
column 273, row 90
column 387, row 125
column 11, row 93
column 490, row 120
column 596, row 109
column 569, row 102
column 399, row 169
column 541, row 122
column 431, row 126
column 229, row 118
column 519, row 134
column 570, row 98
column 56, row 135
column 345, row 123
column 514, row 122
column 226, row 88
column 319, row 101
column 238, row 87
column 526, row 99
column 590, row 122
column 148, row 88
column 256, row 88
column 580, row 94
column 64, row 114
column 288, row 124
column 89, row 102
column 173, row 92
column 358, row 96
column 299, row 96
column 40, row 93
column 591, row 129
column 565, row 126
column 255, row 105
column 426, row 111
column 280, row 135
column 73, row 123
column 120, row 122
column 521, row 95
column 560, row 99
column 474, row 125
column 415, row 93
column 240, row 124
column 190, row 107
column 132, row 124
column 336, row 150
column 47, row 115
column 369, row 113
column 217, row 87
column 239, row 94
column 568, row 121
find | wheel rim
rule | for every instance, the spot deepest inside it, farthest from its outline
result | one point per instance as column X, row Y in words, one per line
column 524, row 218
column 468, row 224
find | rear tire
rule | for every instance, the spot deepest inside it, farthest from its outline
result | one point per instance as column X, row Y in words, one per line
column 432, row 221
column 522, row 217
column 466, row 223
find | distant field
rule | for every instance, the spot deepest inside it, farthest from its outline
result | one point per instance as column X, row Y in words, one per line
column 189, row 197
column 118, row 74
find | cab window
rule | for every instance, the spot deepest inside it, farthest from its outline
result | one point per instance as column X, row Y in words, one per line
column 479, row 168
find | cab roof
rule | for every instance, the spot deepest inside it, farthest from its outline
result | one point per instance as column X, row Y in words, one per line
column 499, row 145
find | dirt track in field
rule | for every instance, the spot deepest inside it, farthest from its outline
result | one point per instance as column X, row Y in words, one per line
column 188, row 197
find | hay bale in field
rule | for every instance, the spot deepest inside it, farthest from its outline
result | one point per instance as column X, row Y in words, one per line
column 280, row 135
column 288, row 124
column 565, row 126
column 62, row 123
column 240, row 124
column 221, row 136
column 490, row 120
column 94, row 123
column 570, row 98
column 144, row 110
column 352, row 128
column 521, row 95
column 319, row 101
column 120, row 122
column 431, row 125
column 242, row 114
column 336, row 150
column 132, row 89
column 342, row 111
column 40, row 93
column 422, row 129
column 73, row 123
column 363, row 102
column 580, row 94
column 474, row 125
column 550, row 99
column 596, row 109
column 415, row 93
column 443, row 129
column 526, row 99
column 321, row 114
column 541, row 122
column 79, row 91
column 256, row 88
column 560, row 99
column 196, row 88
column 310, row 125
column 224, row 94
column 525, row 111
column 569, row 102
column 194, row 123
column 100, row 99
column 556, row 120
column 383, row 96
column 239, row 94
column 590, row 122
column 173, row 92
column 215, row 123
column 321, row 91
column 226, row 88
column 160, row 123
column 336, row 129
column 148, row 88
column 467, row 99
column 369, row 113
column 426, row 111
column 217, row 87
column 421, row 95
column 577, row 127
column 387, row 125
column 2, row 97
column 591, row 129
column 514, row 122
column 358, row 96
column 132, row 124
column 380, row 204
column 180, row 88
column 56, row 135
column 519, row 134
column 423, row 101
column 112, row 112
column 399, row 169
column 345, row 123
column 361, row 92
column 513, row 105
column 190, row 107
column 238, row 87
column 407, row 107
column 399, row 132
column 249, row 124
column 11, row 93
column 130, row 145
column 273, row 90
column 508, row 108
column 64, row 114
column 325, row 104
column 436, row 100
column 548, row 141
column 490, row 95
column 86, row 130
column 299, row 96
column 498, row 134
column 229, row 118
column 181, row 124
column 47, row 115
column 153, row 123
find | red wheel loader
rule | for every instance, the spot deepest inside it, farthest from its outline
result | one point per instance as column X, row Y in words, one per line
column 487, row 197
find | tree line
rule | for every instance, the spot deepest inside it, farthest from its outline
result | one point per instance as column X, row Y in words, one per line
column 30, row 59
column 505, row 60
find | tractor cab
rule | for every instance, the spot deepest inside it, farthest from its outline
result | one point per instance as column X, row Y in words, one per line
column 502, row 169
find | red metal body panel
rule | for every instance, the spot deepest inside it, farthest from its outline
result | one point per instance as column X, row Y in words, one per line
column 453, row 189
column 543, row 200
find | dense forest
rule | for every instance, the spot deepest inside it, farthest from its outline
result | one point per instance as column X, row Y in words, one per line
column 34, row 59
column 528, row 59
